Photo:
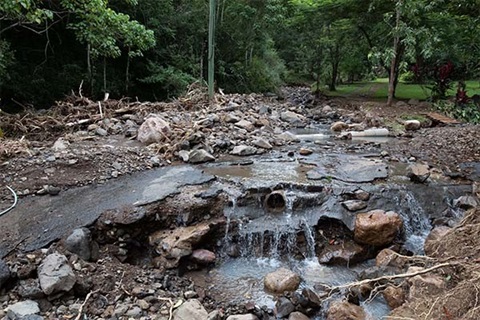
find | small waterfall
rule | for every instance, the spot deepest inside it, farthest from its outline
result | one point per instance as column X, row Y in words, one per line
column 310, row 239
column 416, row 223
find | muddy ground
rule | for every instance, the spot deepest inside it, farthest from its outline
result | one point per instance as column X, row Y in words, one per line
column 31, row 164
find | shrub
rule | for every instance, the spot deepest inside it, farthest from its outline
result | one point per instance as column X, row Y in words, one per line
column 468, row 112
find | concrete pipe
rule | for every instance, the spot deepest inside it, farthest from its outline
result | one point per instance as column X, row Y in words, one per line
column 275, row 201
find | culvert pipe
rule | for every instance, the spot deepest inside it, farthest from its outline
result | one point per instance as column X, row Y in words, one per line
column 275, row 201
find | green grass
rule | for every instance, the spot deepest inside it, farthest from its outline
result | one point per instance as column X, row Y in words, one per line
column 378, row 89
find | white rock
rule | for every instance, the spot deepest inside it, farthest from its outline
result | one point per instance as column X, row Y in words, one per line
column 55, row 274
column 24, row 308
column 244, row 150
column 412, row 125
column 190, row 310
column 153, row 130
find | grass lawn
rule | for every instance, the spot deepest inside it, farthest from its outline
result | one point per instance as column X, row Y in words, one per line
column 378, row 89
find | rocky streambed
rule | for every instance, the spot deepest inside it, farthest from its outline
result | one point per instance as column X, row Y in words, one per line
column 274, row 216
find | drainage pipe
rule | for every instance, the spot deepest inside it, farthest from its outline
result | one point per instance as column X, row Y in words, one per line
column 275, row 201
column 382, row 132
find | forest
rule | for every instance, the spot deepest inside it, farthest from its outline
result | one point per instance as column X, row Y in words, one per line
column 155, row 49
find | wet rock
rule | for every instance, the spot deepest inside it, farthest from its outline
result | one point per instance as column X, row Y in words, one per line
column 354, row 205
column 200, row 156
column 339, row 126
column 281, row 280
column 418, row 172
column 283, row 307
column 362, row 195
column 347, row 253
column 79, row 243
column 466, row 202
column 389, row 258
column 244, row 124
column 4, row 273
column 377, row 227
column 244, row 150
column 190, row 310
column 297, row 316
column 395, row 296
column 55, row 274
column 30, row 289
column 292, row 117
column 153, row 130
column 288, row 136
column 247, row 316
column 342, row 310
column 203, row 256
column 178, row 243
column 412, row 125
column 433, row 238
column 22, row 309
column 305, row 151
column 262, row 143
column 313, row 300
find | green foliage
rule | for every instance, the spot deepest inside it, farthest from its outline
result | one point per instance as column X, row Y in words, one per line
column 407, row 77
column 170, row 79
column 6, row 60
column 469, row 112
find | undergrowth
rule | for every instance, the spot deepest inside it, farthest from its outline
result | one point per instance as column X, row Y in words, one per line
column 468, row 112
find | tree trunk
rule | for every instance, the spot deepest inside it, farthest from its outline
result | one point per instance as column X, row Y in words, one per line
column 89, row 70
column 395, row 59
column 127, row 73
column 104, row 75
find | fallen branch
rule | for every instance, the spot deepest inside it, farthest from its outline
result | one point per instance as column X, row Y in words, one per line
column 15, row 201
column 396, row 276
column 80, row 311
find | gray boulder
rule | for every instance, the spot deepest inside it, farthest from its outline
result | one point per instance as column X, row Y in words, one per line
column 244, row 151
column 200, row 156
column 22, row 309
column 190, row 310
column 55, row 274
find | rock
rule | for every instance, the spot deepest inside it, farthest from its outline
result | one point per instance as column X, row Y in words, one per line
column 79, row 243
column 394, row 296
column 412, row 125
column 60, row 145
column 247, row 316
column 354, row 205
column 203, row 256
column 247, row 125
column 297, row 316
column 283, row 307
column 22, row 309
column 389, row 258
column 55, row 274
column 466, row 202
column 281, row 280
column 339, row 126
column 184, row 155
column 288, row 136
column 377, row 227
column 153, row 130
column 433, row 238
column 345, row 254
column 135, row 312
column 215, row 315
column 190, row 294
column 327, row 109
column 101, row 132
column 231, row 118
column 342, row 310
column 305, row 151
column 200, row 156
column 262, row 143
column 312, row 299
column 190, row 310
column 292, row 117
column 244, row 150
column 418, row 172
column 30, row 289
column 4, row 273
column 178, row 243
column 362, row 195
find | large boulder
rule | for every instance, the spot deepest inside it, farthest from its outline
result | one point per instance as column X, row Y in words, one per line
column 377, row 228
column 190, row 310
column 343, row 310
column 154, row 130
column 425, row 285
column 283, row 307
column 55, row 274
column 281, row 280
column 395, row 296
column 297, row 316
column 199, row 156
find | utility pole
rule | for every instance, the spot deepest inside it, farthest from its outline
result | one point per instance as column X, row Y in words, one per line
column 211, row 51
